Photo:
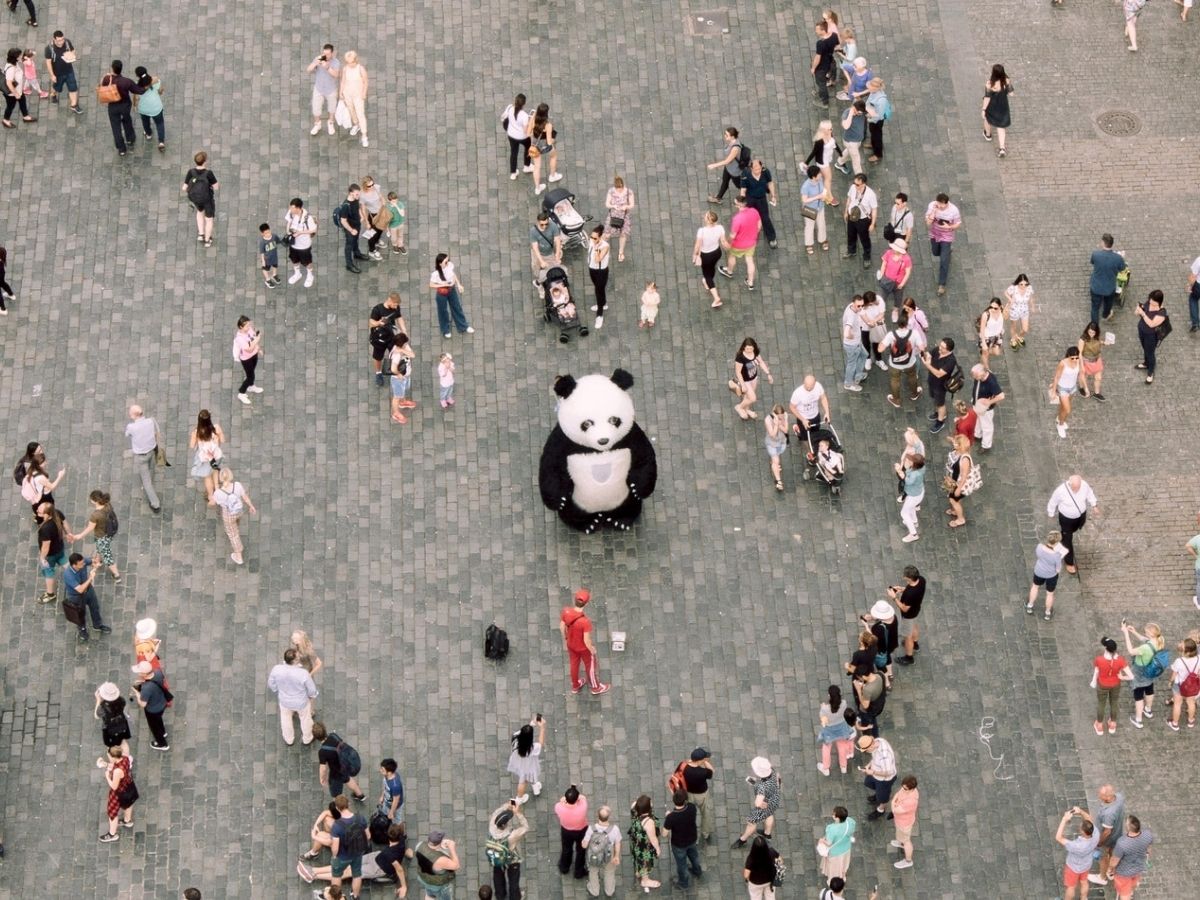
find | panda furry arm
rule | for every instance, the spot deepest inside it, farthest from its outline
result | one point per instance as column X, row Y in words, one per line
column 553, row 478
column 643, row 468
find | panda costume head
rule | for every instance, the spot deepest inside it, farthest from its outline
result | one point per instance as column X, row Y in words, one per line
column 597, row 465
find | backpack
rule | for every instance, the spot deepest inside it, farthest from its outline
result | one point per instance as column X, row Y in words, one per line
column 955, row 380
column 355, row 843
column 232, row 504
column 338, row 214
column 198, row 189
column 885, row 112
column 1157, row 665
column 1190, row 686
column 30, row 491
column 677, row 782
column 348, row 759
column 110, row 522
column 901, row 349
column 498, row 852
column 743, row 159
column 19, row 472
column 599, row 848
column 380, row 823
column 495, row 642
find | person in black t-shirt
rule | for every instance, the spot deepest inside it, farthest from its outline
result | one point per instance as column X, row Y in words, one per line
column 682, row 822
column 330, row 765
column 53, row 532
column 862, row 661
column 908, row 597
column 385, row 321
column 696, row 776
column 940, row 363
column 822, row 62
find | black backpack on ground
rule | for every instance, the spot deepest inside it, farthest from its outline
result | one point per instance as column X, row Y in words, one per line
column 380, row 823
column 495, row 642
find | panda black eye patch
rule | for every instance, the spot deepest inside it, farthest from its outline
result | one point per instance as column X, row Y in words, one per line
column 615, row 422
column 586, row 424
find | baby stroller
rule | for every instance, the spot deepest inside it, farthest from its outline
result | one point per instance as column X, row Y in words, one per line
column 559, row 204
column 826, row 464
column 558, row 306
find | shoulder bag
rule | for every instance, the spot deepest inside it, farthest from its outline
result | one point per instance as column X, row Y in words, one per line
column 106, row 91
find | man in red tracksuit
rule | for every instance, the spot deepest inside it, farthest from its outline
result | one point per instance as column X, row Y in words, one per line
column 576, row 630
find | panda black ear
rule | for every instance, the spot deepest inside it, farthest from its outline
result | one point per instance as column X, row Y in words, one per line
column 622, row 379
column 564, row 385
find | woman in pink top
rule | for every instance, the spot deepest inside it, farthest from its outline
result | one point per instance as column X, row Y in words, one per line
column 895, row 268
column 247, row 344
column 572, row 812
column 904, row 812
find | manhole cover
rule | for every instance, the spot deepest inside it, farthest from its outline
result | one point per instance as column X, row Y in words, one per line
column 1119, row 123
column 708, row 24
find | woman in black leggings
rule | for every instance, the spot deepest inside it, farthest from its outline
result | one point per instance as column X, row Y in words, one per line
column 516, row 126
column 6, row 291
column 14, row 89
column 706, row 253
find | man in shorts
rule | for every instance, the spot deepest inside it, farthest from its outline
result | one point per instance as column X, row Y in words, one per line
column 60, row 56
column 1079, row 852
column 300, row 228
column 1129, row 858
column 1111, row 823
column 904, row 814
column 382, row 325
column 329, row 764
column 743, row 238
column 349, row 845
column 908, row 598
column 940, row 364
column 325, row 69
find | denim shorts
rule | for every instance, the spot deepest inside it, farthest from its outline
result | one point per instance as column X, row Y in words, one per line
column 339, row 866
column 400, row 386
column 53, row 563
column 69, row 80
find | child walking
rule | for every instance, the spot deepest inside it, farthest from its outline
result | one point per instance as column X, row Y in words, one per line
column 397, row 224
column 445, row 372
column 29, row 64
column 650, row 301
column 268, row 255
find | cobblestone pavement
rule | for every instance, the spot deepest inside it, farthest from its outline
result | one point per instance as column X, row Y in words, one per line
column 388, row 544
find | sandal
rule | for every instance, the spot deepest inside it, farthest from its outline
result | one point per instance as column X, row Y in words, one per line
column 742, row 414
column 810, row 251
column 958, row 523
column 778, row 484
column 825, row 245
column 716, row 304
column 7, row 124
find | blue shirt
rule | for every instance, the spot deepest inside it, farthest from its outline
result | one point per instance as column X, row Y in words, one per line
column 395, row 788
column 986, row 389
column 914, row 482
column 73, row 579
column 857, row 130
column 152, row 692
column 1105, row 266
column 813, row 192
column 269, row 248
column 150, row 103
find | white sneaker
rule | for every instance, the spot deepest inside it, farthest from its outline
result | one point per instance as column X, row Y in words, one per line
column 365, row 142
column 375, row 255
column 470, row 330
column 1097, row 879
column 599, row 322
column 595, row 309
column 903, row 864
column 522, row 800
column 539, row 189
column 254, row 389
column 244, row 399
column 897, row 845
column 308, row 282
column 537, row 788
column 296, row 276
column 527, row 169
column 1061, row 428
column 446, row 335
column 557, row 176
column 823, row 769
column 512, row 177
column 331, row 129
column 882, row 366
column 316, row 128
column 1195, row 601
column 353, row 130
column 867, row 367
column 909, row 538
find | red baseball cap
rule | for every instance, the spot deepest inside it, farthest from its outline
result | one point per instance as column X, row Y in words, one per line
column 583, row 595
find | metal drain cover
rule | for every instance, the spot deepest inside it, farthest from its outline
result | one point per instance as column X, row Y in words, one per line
column 708, row 24
column 1119, row 123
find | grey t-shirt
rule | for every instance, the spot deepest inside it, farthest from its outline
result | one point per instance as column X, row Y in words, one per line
column 732, row 167
column 544, row 239
column 1048, row 562
column 1079, row 852
column 1132, row 852
column 326, row 77
column 1112, row 815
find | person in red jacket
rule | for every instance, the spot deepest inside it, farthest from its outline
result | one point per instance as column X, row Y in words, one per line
column 576, row 630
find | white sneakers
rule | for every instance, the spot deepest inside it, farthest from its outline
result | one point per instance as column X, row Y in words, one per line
column 244, row 399
column 557, row 176
column 599, row 322
column 909, row 538
column 523, row 799
column 527, row 169
column 375, row 255
column 823, row 769
column 512, row 177
column 1061, row 427
column 331, row 130
column 537, row 788
column 539, row 189
column 471, row 330
column 365, row 142
column 254, row 389
column 353, row 130
column 316, row 128
column 297, row 274
column 308, row 282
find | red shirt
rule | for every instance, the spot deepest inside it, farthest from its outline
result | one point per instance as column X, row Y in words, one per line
column 965, row 425
column 1109, row 670
column 578, row 625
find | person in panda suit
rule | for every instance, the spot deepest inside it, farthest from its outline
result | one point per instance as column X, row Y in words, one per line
column 598, row 465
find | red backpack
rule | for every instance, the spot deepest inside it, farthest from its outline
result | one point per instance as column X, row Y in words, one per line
column 1190, row 686
column 676, row 782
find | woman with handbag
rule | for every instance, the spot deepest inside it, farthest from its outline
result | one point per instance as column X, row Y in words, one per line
column 834, row 848
column 961, row 480
column 114, row 724
column 447, row 290
column 371, row 199
column 872, row 329
column 14, row 88
column 767, row 787
column 759, row 869
column 515, row 121
column 122, row 792
column 1153, row 327
column 619, row 202
column 542, row 138
column 824, row 151
column 812, row 208
column 206, row 440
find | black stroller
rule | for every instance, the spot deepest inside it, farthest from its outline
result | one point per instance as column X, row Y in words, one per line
column 826, row 464
column 559, row 204
column 558, row 307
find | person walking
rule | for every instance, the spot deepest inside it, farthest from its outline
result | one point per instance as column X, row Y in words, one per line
column 448, row 291
column 144, row 440
column 1090, row 345
column 1108, row 671
column 544, row 140
column 200, row 185
column 730, row 164
column 122, row 792
column 6, row 291
column 150, row 108
column 1048, row 559
column 1110, row 820
column 515, row 122
column 776, row 441
column 576, row 630
column 746, row 365
column 823, row 62
column 697, row 778
column 349, row 218
column 963, row 478
column 525, row 760
column 1132, row 10
column 598, row 260
column 61, row 57
column 334, row 759
column 940, row 364
column 1131, row 855
column 293, row 686
column 352, row 90
column 854, row 128
column 326, row 68
column 602, row 842
column 247, row 346
column 437, row 865
column 120, row 108
column 572, row 813
column 913, row 476
column 233, row 499
column 895, row 268
column 943, row 220
column 760, row 868
column 545, row 246
column 506, row 827
column 856, row 354
column 1079, row 852
column 14, row 88
column 383, row 322
column 862, row 206
column 879, row 773
column 400, row 361
column 1106, row 263
column 1018, row 305
column 900, row 221
column 812, row 208
column 1193, row 548
column 152, row 697
column 834, row 848
column 109, row 711
column 995, row 110
column 902, row 348
column 1185, row 683
column 706, row 253
column 879, row 110
column 300, row 227
column 682, row 824
column 758, row 187
column 644, row 842
column 904, row 814
column 743, row 240
column 1064, row 385
column 834, row 731
column 371, row 199
column 1152, row 329
column 1070, row 502
column 767, row 785
column 619, row 201
column 1148, row 661
column 206, row 440
column 985, row 394
column 79, row 578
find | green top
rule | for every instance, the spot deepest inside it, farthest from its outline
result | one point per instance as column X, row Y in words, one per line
column 1194, row 543
column 150, row 103
column 396, row 208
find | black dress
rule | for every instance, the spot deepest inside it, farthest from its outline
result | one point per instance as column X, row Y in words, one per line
column 115, row 724
column 997, row 112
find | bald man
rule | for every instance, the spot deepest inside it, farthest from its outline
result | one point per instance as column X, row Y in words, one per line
column 1071, row 501
column 143, row 440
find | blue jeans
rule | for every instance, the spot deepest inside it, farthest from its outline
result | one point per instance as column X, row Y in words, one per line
column 1102, row 304
column 351, row 247
column 447, row 393
column 1194, row 304
column 160, row 125
column 685, row 858
column 450, row 305
column 67, row 80
column 856, row 359
column 438, row 891
column 942, row 250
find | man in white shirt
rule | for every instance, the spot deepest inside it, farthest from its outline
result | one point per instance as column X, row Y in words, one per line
column 852, row 346
column 1194, row 294
column 902, row 347
column 809, row 405
column 862, row 206
column 143, row 441
column 295, row 689
column 1071, row 501
column 300, row 227
column 880, row 772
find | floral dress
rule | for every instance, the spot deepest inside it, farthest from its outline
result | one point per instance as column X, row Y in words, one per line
column 640, row 846
column 617, row 202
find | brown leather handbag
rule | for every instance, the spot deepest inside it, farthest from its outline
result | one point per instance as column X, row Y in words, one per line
column 106, row 91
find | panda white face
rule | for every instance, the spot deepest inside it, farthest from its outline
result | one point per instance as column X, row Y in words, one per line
column 597, row 413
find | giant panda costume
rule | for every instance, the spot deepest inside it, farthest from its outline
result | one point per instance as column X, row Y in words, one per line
column 598, row 465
